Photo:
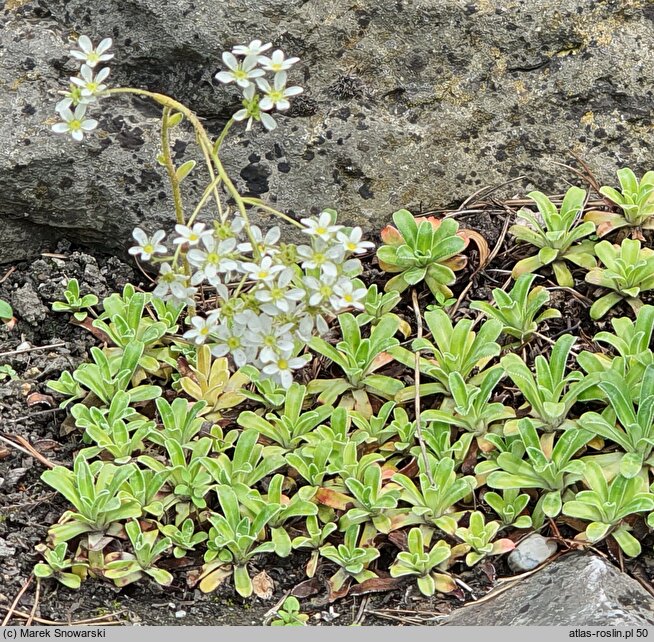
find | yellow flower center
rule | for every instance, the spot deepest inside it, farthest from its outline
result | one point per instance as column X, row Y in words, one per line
column 282, row 364
column 148, row 248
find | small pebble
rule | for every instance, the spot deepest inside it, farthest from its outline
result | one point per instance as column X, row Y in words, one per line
column 180, row 614
column 531, row 552
column 6, row 550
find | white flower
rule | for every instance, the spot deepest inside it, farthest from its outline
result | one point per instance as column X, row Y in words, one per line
column 270, row 338
column 242, row 73
column 250, row 107
column 307, row 324
column 352, row 242
column 264, row 271
column 277, row 62
column 90, row 55
column 345, row 296
column 252, row 112
column 319, row 290
column 173, row 284
column 280, row 367
column 147, row 246
column 74, row 123
column 91, row 85
column 191, row 235
column 277, row 298
column 265, row 244
column 215, row 258
column 277, row 95
column 231, row 341
column 202, row 328
column 323, row 257
column 255, row 48
column 321, row 227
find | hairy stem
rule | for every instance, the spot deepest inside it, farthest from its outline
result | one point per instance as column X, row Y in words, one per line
column 170, row 167
column 261, row 205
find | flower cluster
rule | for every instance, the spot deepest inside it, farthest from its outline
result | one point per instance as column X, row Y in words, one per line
column 247, row 68
column 84, row 88
column 270, row 297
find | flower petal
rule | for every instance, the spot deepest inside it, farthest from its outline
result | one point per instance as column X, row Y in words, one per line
column 104, row 45
column 230, row 60
column 224, row 77
column 268, row 121
column 85, row 44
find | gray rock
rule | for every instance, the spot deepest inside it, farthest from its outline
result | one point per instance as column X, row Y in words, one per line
column 27, row 304
column 408, row 103
column 531, row 552
column 575, row 590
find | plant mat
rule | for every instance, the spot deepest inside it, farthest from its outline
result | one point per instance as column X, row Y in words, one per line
column 32, row 439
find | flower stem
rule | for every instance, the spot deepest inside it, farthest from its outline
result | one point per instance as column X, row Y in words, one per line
column 207, row 149
column 223, row 134
column 260, row 204
column 170, row 167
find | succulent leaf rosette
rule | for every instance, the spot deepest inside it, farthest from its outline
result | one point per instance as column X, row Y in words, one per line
column 627, row 269
column 636, row 200
column 423, row 249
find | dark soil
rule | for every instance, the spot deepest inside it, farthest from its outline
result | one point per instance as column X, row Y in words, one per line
column 28, row 507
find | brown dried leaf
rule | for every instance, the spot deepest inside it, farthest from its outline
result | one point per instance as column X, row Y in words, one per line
column 87, row 324
column 488, row 570
column 192, row 577
column 263, row 585
column 377, row 585
column 47, row 445
column 480, row 242
column 174, row 563
column 184, row 369
column 469, row 463
column 411, row 469
column 341, row 593
column 399, row 538
column 36, row 398
column 307, row 588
